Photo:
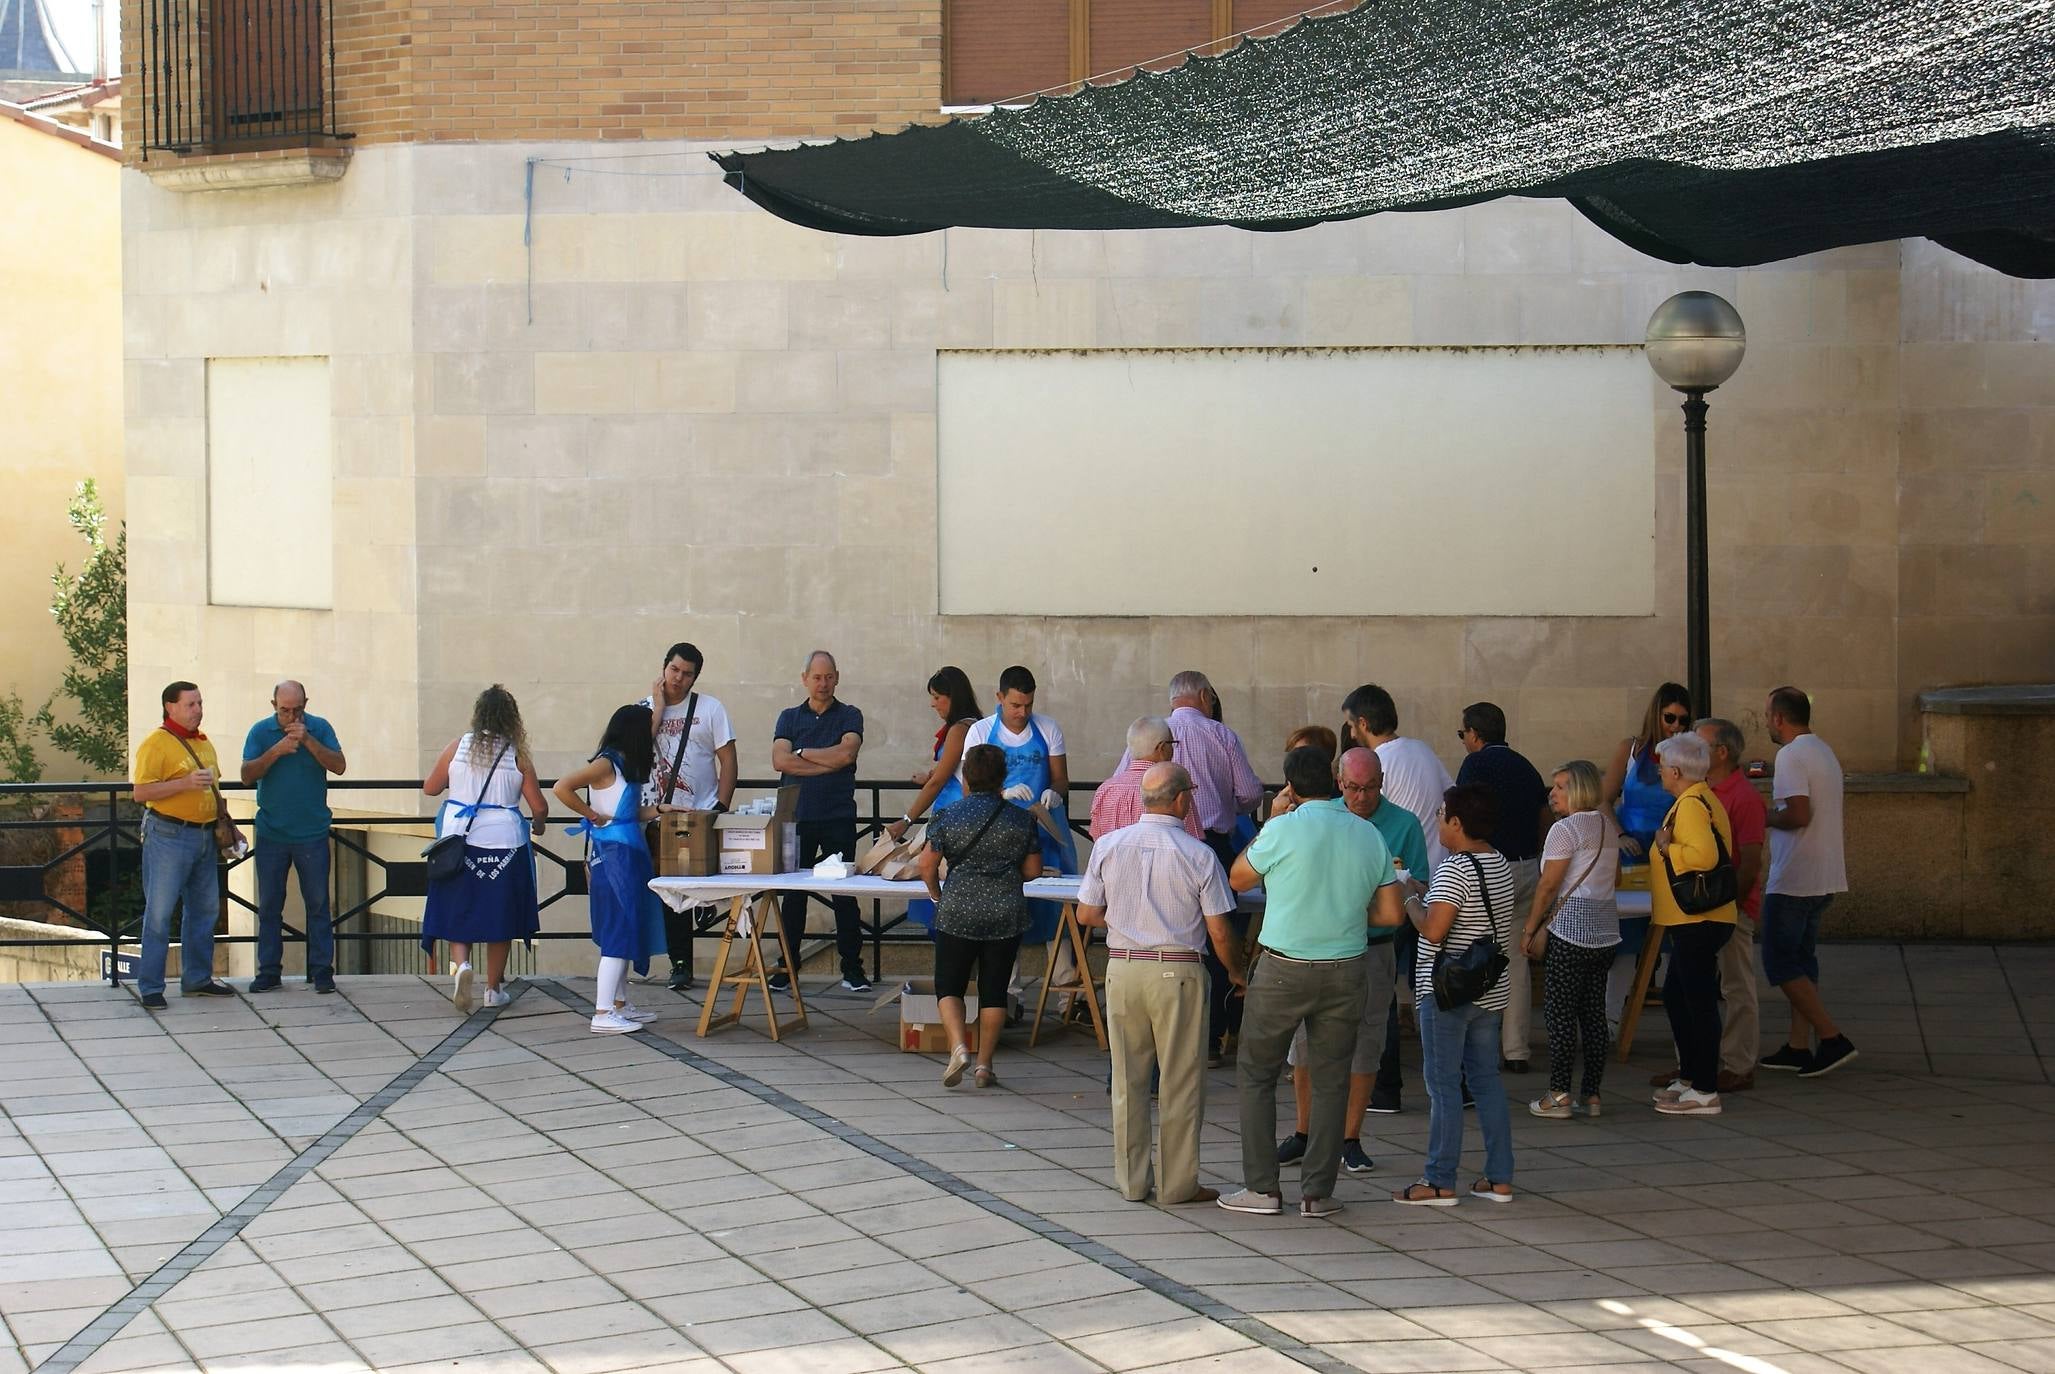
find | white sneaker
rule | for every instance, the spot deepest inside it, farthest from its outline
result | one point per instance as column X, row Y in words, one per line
column 628, row 1011
column 460, row 988
column 497, row 997
column 612, row 1023
column 1690, row 1102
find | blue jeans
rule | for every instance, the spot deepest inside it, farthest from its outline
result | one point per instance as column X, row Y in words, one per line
column 310, row 861
column 1455, row 1046
column 178, row 871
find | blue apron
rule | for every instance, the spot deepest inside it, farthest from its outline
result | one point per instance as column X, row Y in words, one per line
column 1027, row 763
column 1643, row 805
column 920, row 910
column 627, row 918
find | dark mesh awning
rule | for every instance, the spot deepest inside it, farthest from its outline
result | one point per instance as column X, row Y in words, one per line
column 1725, row 134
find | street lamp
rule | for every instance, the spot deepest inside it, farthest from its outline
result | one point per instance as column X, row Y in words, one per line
column 1695, row 342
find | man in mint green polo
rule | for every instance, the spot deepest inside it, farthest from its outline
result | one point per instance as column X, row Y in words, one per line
column 1327, row 877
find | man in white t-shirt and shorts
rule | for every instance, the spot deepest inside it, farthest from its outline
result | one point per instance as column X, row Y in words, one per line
column 1414, row 778
column 1807, row 867
column 694, row 771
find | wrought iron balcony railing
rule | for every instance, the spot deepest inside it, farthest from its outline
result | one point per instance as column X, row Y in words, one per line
column 236, row 75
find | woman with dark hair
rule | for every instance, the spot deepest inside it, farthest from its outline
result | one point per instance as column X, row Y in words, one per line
column 1634, row 790
column 1305, row 737
column 1470, row 898
column 950, row 693
column 487, row 773
column 617, row 863
column 1634, row 780
column 980, row 914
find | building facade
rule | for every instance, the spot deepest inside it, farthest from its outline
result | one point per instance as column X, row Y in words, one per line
column 508, row 386
column 60, row 377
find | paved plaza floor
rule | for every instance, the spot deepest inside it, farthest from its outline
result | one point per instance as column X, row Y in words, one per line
column 296, row 1182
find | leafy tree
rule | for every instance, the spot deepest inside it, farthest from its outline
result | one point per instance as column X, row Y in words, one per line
column 91, row 609
column 18, row 761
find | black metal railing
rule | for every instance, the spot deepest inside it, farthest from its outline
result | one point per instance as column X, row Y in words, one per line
column 80, row 860
column 229, row 75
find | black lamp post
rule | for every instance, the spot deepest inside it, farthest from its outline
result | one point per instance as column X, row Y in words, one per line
column 1695, row 342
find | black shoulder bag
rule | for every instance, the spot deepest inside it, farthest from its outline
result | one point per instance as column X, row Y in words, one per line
column 1706, row 889
column 445, row 855
column 1460, row 979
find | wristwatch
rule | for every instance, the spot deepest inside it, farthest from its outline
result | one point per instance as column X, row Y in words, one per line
column 719, row 808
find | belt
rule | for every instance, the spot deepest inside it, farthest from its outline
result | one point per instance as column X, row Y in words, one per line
column 174, row 820
column 1161, row 956
column 1291, row 959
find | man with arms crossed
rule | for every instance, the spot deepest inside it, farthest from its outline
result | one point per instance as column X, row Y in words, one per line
column 1806, row 869
column 1161, row 896
column 815, row 745
column 694, row 771
column 1326, row 878
column 288, row 756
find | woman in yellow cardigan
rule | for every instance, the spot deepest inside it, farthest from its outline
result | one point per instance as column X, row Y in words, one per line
column 1687, row 843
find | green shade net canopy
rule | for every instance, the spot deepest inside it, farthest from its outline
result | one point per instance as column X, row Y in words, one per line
column 1725, row 134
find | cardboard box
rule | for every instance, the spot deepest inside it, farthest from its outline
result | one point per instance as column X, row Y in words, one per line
column 761, row 844
column 686, row 844
column 920, row 1018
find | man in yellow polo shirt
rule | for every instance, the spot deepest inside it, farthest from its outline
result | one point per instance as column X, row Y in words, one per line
column 174, row 780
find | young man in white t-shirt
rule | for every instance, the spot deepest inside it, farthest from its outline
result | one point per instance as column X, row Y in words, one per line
column 700, row 777
column 1015, row 725
column 1807, row 867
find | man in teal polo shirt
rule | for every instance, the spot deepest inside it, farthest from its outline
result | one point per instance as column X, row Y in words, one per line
column 1362, row 791
column 1327, row 877
column 288, row 755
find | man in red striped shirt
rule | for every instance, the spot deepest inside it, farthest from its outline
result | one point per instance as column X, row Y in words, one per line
column 1118, row 802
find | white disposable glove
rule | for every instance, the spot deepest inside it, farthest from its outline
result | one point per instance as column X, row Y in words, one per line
column 1050, row 801
column 1019, row 792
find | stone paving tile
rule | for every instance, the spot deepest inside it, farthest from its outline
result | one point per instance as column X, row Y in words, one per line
column 502, row 1112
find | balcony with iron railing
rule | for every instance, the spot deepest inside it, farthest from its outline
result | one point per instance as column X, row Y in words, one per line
column 222, row 77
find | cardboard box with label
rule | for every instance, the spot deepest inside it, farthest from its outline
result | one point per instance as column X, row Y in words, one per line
column 761, row 844
column 686, row 845
column 920, row 1018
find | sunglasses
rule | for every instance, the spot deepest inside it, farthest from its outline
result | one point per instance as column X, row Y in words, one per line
column 1669, row 719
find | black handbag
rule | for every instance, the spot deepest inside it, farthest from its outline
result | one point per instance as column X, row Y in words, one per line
column 445, row 855
column 1460, row 979
column 1706, row 889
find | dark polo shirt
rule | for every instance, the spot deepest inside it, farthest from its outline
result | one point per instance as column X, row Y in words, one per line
column 826, row 796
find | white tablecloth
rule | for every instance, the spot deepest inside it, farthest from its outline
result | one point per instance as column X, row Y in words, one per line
column 682, row 894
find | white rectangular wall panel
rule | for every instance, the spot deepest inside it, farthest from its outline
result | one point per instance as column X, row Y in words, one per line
column 270, row 483
column 1390, row 481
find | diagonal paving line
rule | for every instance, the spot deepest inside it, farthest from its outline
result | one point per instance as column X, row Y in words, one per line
column 1233, row 1318
column 202, row 1248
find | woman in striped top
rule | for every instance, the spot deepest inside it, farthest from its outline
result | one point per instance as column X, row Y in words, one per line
column 1471, row 898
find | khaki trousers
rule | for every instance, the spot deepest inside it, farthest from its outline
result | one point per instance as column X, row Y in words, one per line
column 1516, row 1031
column 1156, row 1023
column 1741, row 1037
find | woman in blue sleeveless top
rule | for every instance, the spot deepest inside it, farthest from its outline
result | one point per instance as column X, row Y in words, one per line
column 950, row 693
column 618, row 863
column 1634, row 789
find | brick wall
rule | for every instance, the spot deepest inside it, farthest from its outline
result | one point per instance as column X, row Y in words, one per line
column 501, row 70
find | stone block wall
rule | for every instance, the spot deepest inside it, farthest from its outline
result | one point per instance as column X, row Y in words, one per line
column 672, row 416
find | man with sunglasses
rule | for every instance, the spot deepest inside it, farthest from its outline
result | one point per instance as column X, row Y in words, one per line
column 1523, row 819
